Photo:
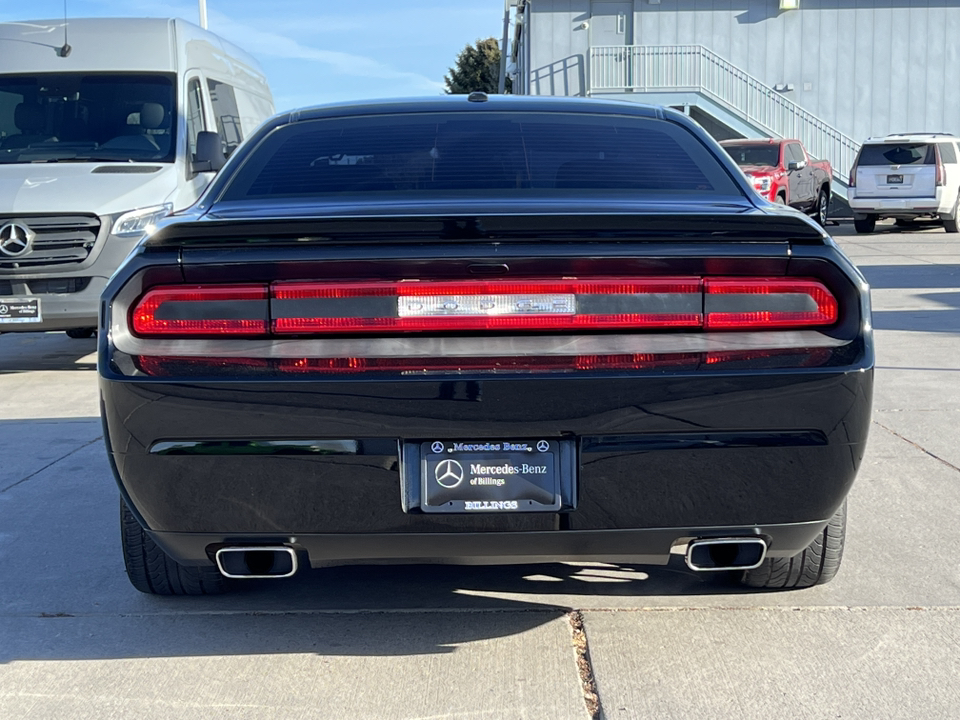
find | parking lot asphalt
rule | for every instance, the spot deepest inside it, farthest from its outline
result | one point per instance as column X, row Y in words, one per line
column 881, row 641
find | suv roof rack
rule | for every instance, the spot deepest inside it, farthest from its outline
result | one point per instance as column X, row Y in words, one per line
column 921, row 134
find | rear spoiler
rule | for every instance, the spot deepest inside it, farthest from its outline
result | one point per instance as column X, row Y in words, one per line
column 755, row 226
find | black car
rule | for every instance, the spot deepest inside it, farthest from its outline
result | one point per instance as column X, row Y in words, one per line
column 469, row 328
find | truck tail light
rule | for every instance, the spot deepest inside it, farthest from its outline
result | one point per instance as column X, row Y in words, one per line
column 767, row 303
column 399, row 307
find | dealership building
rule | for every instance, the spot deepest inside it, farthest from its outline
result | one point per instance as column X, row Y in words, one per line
column 829, row 72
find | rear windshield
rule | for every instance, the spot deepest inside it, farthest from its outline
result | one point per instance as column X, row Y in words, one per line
column 754, row 154
column 480, row 153
column 898, row 154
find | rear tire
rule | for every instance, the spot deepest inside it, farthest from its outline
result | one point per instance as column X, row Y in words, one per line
column 865, row 223
column 81, row 333
column 154, row 572
column 816, row 565
column 822, row 208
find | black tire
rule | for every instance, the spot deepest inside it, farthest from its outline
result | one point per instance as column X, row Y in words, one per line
column 865, row 224
column 81, row 333
column 781, row 200
column 822, row 209
column 154, row 572
column 816, row 565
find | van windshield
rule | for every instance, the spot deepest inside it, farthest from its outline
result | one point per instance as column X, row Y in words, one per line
column 78, row 117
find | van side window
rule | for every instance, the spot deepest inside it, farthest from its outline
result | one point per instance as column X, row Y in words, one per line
column 947, row 153
column 227, row 114
column 195, row 122
column 8, row 107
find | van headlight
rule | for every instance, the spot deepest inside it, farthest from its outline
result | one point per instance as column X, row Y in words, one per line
column 137, row 222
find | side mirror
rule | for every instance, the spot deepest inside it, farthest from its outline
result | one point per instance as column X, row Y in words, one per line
column 796, row 165
column 209, row 156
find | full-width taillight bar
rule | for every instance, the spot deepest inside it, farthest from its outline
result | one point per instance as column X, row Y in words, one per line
column 391, row 307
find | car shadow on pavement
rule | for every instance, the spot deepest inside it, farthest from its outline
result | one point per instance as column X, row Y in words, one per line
column 28, row 352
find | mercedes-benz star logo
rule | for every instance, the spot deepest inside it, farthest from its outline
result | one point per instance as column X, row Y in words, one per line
column 437, row 447
column 543, row 446
column 16, row 239
column 449, row 473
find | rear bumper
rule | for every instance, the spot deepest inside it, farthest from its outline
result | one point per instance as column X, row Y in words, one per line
column 673, row 456
column 902, row 206
column 647, row 546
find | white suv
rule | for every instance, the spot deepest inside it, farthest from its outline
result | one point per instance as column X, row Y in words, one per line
column 906, row 177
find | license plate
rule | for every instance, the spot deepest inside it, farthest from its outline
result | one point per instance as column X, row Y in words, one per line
column 894, row 179
column 20, row 310
column 483, row 476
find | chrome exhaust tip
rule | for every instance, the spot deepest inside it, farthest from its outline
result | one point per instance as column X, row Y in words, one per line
column 716, row 554
column 249, row 563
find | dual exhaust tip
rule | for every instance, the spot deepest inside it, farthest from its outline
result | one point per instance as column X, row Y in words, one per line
column 280, row 561
column 251, row 563
column 717, row 554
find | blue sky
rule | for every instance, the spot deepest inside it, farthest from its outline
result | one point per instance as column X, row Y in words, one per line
column 316, row 51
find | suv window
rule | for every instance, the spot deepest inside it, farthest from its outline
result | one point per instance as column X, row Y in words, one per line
column 224, row 101
column 897, row 154
column 549, row 154
column 947, row 153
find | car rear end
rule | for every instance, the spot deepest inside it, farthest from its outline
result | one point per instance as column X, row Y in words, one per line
column 487, row 374
column 903, row 177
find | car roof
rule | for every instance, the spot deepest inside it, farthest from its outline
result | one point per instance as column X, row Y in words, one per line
column 912, row 138
column 758, row 141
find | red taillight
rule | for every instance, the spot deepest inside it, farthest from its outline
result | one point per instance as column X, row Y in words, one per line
column 421, row 306
column 206, row 310
column 397, row 307
column 941, row 173
column 767, row 303
column 853, row 176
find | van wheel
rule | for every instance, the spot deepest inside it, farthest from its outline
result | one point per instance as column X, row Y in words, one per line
column 81, row 333
column 816, row 565
column 822, row 208
column 865, row 223
column 154, row 572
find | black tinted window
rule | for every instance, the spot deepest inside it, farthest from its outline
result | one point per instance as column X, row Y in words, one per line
column 80, row 117
column 897, row 154
column 429, row 153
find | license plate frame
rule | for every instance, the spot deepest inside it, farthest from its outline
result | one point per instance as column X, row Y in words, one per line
column 488, row 476
column 18, row 310
column 894, row 179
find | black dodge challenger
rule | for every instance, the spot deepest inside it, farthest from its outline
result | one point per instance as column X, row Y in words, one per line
column 475, row 329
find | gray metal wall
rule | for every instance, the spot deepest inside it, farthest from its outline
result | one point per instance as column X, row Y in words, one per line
column 867, row 67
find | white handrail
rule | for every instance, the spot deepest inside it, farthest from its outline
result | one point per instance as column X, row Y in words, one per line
column 694, row 68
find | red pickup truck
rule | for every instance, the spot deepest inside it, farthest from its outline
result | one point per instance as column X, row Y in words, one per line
column 782, row 172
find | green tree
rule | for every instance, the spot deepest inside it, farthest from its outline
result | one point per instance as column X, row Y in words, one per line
column 477, row 68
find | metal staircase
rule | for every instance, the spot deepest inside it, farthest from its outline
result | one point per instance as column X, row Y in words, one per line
column 690, row 73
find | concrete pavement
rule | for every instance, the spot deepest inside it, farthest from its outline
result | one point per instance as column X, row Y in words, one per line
column 881, row 641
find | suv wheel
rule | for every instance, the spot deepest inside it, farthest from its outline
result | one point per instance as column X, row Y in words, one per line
column 816, row 565
column 154, row 572
column 865, row 223
column 822, row 208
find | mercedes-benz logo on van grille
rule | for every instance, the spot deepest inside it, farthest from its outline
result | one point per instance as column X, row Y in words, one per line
column 16, row 239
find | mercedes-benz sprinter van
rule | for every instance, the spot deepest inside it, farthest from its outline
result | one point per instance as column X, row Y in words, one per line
column 106, row 125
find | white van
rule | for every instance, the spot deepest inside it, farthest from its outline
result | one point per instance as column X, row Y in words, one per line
column 99, row 138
